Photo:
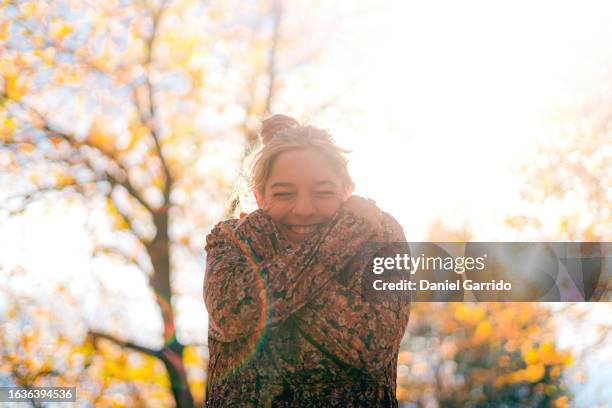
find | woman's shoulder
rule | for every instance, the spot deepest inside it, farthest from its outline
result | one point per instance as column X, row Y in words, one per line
column 393, row 229
column 229, row 224
column 245, row 226
column 220, row 233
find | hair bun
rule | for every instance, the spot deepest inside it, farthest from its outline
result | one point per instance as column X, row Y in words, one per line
column 274, row 124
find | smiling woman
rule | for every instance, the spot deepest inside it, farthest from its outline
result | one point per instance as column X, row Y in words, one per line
column 288, row 325
column 299, row 179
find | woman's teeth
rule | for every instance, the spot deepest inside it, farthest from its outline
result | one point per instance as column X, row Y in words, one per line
column 304, row 229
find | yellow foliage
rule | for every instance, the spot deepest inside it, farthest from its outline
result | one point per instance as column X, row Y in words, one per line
column 59, row 30
column 531, row 356
column 545, row 354
column 191, row 357
column 56, row 140
column 161, row 378
column 7, row 129
column 404, row 357
column 11, row 312
column 34, row 178
column 86, row 349
column 469, row 313
column 118, row 221
column 548, row 354
column 26, row 148
column 563, row 226
column 28, row 9
column 555, row 371
column 98, row 138
column 46, row 56
column 561, row 402
column 137, row 132
column 112, row 369
column 14, row 86
column 141, row 373
column 567, row 359
column 63, row 179
column 483, row 331
column 402, row 394
column 118, row 404
column 4, row 30
column 534, row 373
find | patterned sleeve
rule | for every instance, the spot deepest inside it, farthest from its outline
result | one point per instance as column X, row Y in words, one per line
column 247, row 287
column 359, row 332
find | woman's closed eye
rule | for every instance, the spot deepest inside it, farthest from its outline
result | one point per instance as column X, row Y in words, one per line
column 325, row 194
column 283, row 195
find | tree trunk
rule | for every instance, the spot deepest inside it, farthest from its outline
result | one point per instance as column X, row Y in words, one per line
column 172, row 352
column 171, row 355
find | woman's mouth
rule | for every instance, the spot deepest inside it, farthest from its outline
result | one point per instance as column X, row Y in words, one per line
column 303, row 229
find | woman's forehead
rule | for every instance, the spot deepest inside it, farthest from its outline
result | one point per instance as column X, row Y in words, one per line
column 304, row 166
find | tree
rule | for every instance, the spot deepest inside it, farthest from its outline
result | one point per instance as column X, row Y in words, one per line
column 480, row 354
column 37, row 351
column 125, row 105
column 568, row 178
column 484, row 354
column 570, row 173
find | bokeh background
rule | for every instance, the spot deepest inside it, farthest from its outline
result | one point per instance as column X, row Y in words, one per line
column 124, row 125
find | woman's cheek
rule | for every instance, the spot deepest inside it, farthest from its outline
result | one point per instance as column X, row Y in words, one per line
column 276, row 209
column 336, row 204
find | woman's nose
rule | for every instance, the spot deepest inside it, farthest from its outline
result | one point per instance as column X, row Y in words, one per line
column 303, row 207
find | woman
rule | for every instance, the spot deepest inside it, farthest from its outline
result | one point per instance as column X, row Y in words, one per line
column 288, row 325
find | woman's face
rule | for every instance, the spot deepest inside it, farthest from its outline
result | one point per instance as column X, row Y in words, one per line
column 302, row 193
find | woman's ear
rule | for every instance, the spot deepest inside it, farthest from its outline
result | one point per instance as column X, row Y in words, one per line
column 348, row 191
column 258, row 199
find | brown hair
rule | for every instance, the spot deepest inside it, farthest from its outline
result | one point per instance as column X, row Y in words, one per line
column 281, row 133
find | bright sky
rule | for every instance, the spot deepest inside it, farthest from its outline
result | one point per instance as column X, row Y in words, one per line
column 454, row 93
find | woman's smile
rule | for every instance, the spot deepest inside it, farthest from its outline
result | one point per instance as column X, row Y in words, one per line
column 302, row 229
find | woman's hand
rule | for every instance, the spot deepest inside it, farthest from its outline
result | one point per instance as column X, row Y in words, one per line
column 366, row 208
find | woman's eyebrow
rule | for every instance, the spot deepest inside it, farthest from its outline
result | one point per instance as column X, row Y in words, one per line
column 325, row 183
column 281, row 184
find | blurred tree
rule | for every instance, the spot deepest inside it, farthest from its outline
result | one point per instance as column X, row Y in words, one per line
column 38, row 351
column 484, row 354
column 569, row 179
column 480, row 354
column 571, row 173
column 146, row 108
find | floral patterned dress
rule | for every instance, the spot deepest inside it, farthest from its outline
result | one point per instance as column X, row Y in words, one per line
column 289, row 326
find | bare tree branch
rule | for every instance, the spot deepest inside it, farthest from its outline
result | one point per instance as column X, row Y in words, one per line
column 277, row 13
column 39, row 194
column 151, row 121
column 94, row 335
column 123, row 177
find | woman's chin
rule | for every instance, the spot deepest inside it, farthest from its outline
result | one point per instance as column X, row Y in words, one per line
column 296, row 238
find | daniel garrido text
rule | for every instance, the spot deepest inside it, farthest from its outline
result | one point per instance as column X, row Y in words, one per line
column 447, row 285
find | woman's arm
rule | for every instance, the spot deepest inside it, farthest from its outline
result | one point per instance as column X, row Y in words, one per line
column 359, row 332
column 247, row 286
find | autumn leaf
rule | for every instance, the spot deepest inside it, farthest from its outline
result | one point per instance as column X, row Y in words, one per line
column 534, row 373
column 59, row 30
